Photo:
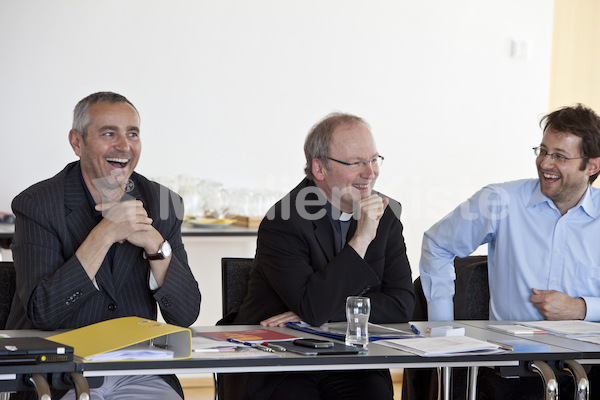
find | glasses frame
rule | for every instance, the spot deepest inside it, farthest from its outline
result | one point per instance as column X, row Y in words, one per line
column 379, row 159
column 538, row 151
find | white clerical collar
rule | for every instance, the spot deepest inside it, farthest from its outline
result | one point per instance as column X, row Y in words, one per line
column 345, row 216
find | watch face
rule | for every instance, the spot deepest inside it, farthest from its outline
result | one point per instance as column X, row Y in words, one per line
column 165, row 249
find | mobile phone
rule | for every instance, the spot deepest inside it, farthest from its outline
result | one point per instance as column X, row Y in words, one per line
column 314, row 343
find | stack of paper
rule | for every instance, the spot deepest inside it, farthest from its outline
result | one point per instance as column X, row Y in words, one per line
column 515, row 329
column 442, row 346
column 568, row 328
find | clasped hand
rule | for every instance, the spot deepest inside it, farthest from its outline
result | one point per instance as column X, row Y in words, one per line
column 370, row 210
column 129, row 221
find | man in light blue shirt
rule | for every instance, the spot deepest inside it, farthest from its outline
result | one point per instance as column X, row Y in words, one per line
column 542, row 234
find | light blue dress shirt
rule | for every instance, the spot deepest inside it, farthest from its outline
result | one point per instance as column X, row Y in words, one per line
column 530, row 245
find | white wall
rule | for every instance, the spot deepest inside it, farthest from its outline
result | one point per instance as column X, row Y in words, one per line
column 228, row 89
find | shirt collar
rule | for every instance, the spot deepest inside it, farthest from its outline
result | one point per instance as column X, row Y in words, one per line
column 332, row 210
column 586, row 203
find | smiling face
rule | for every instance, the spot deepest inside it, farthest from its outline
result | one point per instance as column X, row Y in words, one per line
column 110, row 149
column 564, row 183
column 349, row 143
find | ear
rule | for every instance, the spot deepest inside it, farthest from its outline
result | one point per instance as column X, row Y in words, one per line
column 318, row 169
column 76, row 141
column 593, row 166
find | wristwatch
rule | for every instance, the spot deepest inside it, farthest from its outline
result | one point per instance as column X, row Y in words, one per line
column 163, row 252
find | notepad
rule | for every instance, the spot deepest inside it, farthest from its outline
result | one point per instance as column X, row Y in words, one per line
column 515, row 329
column 442, row 346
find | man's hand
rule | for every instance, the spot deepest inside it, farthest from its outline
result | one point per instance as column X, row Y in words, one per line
column 370, row 211
column 555, row 305
column 281, row 319
column 122, row 220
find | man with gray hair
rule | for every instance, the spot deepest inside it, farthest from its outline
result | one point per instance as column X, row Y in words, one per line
column 331, row 237
column 91, row 243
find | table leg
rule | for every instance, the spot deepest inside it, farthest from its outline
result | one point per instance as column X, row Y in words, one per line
column 548, row 377
column 582, row 384
column 472, row 384
column 444, row 381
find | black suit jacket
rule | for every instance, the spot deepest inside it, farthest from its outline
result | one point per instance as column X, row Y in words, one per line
column 53, row 290
column 297, row 269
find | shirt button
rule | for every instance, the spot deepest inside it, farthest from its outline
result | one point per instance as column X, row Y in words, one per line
column 554, row 280
column 112, row 307
column 558, row 250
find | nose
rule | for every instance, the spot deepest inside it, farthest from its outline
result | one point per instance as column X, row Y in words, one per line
column 122, row 143
column 546, row 161
column 368, row 170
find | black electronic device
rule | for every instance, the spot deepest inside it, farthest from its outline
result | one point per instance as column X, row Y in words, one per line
column 314, row 343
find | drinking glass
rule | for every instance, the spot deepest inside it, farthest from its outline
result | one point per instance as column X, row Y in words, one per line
column 358, row 310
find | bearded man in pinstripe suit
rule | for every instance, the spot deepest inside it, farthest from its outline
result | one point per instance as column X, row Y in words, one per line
column 99, row 241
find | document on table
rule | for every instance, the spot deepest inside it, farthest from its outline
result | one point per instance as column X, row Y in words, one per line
column 568, row 328
column 204, row 347
column 134, row 352
column 516, row 329
column 442, row 346
column 589, row 339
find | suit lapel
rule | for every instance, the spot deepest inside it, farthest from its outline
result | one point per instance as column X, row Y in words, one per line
column 324, row 237
column 80, row 221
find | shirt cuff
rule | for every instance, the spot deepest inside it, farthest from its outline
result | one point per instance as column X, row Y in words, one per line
column 592, row 305
column 440, row 310
column 152, row 282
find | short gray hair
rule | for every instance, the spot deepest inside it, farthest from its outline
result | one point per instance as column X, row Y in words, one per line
column 81, row 118
column 318, row 139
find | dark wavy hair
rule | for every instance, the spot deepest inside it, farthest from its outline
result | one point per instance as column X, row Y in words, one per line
column 580, row 121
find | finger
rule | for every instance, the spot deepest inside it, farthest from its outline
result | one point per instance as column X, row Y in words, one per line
column 105, row 206
column 386, row 201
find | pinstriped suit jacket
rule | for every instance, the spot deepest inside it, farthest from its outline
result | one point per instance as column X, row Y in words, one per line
column 53, row 290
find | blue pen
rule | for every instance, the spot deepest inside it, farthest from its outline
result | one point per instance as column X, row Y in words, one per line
column 415, row 329
column 254, row 345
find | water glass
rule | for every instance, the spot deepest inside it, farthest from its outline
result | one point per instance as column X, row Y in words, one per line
column 357, row 317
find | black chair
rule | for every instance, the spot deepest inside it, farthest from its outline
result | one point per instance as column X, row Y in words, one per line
column 7, row 290
column 471, row 302
column 234, row 282
column 472, row 291
column 234, row 287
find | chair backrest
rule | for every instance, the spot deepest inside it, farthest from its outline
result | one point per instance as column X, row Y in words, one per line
column 472, row 291
column 234, row 281
column 7, row 290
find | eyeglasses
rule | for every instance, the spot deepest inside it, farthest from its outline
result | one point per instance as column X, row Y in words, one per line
column 374, row 162
column 538, row 151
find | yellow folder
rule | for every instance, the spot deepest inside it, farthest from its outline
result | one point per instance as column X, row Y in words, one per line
column 128, row 338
